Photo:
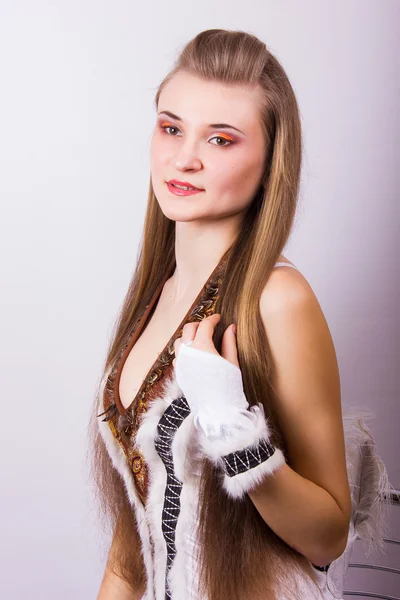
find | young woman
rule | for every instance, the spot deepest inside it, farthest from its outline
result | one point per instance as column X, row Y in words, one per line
column 220, row 452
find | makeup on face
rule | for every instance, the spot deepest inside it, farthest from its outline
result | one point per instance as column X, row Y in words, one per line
column 229, row 139
column 210, row 142
column 179, row 191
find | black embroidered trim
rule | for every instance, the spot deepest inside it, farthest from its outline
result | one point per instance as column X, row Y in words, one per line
column 246, row 459
column 170, row 421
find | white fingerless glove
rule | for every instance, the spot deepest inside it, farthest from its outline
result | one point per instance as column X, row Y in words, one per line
column 232, row 435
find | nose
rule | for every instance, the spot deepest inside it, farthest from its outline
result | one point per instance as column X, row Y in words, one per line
column 187, row 157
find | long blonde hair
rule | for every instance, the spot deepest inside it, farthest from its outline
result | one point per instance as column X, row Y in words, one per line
column 241, row 556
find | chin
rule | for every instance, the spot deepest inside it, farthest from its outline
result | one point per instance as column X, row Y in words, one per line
column 179, row 209
column 179, row 215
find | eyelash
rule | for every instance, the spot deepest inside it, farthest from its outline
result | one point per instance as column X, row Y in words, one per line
column 230, row 142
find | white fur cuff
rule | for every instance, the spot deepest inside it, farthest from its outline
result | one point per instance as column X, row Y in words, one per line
column 244, row 458
column 240, row 483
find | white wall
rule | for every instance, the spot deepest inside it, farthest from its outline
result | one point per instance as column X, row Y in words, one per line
column 77, row 81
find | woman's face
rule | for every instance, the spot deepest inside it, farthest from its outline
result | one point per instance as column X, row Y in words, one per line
column 192, row 142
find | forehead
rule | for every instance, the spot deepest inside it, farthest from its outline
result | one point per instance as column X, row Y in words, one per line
column 199, row 102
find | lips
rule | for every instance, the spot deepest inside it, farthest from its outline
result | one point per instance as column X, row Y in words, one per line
column 182, row 183
column 182, row 192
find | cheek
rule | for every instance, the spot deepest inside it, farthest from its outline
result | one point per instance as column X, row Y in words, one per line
column 158, row 151
column 154, row 154
column 239, row 177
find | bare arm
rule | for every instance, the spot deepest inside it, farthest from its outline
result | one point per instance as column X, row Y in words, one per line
column 308, row 504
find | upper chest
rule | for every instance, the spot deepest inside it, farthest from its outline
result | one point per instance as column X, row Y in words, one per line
column 155, row 334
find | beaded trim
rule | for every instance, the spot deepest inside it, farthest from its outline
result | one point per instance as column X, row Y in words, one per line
column 124, row 426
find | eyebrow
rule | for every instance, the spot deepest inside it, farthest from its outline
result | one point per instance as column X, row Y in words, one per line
column 211, row 126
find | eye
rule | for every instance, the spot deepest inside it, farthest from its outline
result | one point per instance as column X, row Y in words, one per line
column 219, row 137
column 228, row 142
column 165, row 127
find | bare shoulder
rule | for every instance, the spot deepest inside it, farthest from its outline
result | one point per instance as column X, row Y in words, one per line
column 290, row 311
column 286, row 289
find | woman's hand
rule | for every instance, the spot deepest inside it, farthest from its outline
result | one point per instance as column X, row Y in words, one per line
column 201, row 335
column 211, row 382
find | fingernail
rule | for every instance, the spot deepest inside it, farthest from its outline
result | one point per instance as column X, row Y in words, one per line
column 234, row 328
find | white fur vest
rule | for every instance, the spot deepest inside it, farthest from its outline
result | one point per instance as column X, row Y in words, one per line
column 167, row 524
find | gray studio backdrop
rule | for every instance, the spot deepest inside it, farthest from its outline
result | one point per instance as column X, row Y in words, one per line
column 77, row 81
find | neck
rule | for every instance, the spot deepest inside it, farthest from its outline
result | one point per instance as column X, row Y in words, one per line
column 198, row 251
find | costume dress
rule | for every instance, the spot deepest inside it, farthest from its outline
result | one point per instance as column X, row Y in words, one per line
column 149, row 443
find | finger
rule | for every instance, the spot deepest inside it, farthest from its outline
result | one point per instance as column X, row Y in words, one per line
column 229, row 346
column 205, row 332
column 189, row 331
column 188, row 334
column 205, row 341
column 176, row 348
